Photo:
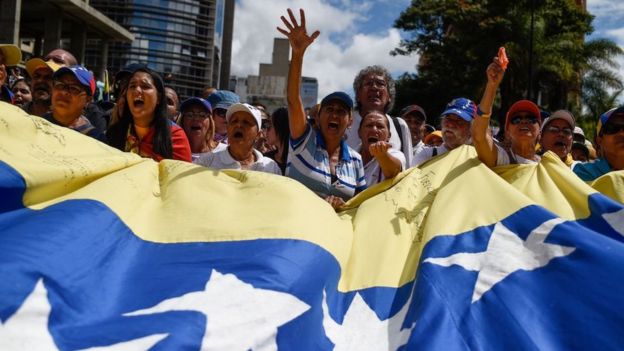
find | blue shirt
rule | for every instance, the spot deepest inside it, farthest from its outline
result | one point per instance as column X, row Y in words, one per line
column 308, row 163
column 591, row 170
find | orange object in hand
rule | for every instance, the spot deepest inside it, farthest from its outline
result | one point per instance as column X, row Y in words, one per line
column 502, row 57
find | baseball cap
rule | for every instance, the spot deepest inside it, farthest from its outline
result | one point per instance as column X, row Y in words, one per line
column 12, row 54
column 339, row 96
column 254, row 111
column 81, row 74
column 462, row 107
column 35, row 63
column 604, row 118
column 560, row 114
column 578, row 134
column 523, row 106
column 196, row 100
column 430, row 136
column 413, row 108
column 223, row 99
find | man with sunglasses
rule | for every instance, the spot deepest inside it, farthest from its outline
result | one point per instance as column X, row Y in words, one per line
column 610, row 139
column 72, row 90
column 557, row 135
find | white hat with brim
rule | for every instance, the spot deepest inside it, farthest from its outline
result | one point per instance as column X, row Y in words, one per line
column 255, row 112
column 34, row 64
column 12, row 54
column 560, row 114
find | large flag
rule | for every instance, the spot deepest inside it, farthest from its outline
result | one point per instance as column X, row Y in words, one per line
column 104, row 250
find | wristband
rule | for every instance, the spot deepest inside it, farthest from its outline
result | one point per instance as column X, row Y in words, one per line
column 484, row 115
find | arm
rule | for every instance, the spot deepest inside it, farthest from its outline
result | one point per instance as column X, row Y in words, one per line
column 390, row 165
column 483, row 142
column 299, row 42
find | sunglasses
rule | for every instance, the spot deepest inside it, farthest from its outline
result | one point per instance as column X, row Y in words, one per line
column 220, row 112
column 73, row 89
column 519, row 118
column 556, row 130
column 612, row 128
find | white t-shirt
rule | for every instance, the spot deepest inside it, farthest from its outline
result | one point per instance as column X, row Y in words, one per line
column 223, row 160
column 503, row 157
column 402, row 144
column 219, row 147
column 373, row 172
column 416, row 148
column 426, row 153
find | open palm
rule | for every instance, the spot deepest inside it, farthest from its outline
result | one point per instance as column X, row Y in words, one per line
column 297, row 33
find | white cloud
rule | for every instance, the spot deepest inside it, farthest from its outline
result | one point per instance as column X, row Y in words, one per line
column 334, row 58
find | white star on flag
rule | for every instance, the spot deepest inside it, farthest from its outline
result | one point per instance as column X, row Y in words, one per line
column 506, row 253
column 238, row 316
column 362, row 330
column 615, row 220
column 27, row 328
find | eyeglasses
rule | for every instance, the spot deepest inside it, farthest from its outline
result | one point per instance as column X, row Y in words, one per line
column 195, row 115
column 519, row 118
column 375, row 82
column 612, row 128
column 73, row 89
column 556, row 130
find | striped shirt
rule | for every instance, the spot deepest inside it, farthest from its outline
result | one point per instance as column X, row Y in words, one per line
column 308, row 163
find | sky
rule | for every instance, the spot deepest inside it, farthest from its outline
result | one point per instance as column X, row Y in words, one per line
column 355, row 34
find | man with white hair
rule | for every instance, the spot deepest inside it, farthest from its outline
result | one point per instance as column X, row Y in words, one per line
column 455, row 121
column 374, row 91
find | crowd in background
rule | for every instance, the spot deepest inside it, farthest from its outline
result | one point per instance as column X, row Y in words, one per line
column 336, row 148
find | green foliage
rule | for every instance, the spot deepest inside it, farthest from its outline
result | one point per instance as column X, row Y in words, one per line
column 456, row 40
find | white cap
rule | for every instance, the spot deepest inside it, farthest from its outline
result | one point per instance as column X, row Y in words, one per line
column 579, row 130
column 560, row 114
column 255, row 112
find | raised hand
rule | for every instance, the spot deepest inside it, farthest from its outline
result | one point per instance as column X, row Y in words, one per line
column 379, row 148
column 495, row 71
column 296, row 33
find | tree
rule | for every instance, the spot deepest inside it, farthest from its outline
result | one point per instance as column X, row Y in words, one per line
column 457, row 39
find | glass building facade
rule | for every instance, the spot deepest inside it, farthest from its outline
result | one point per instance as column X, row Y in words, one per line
column 173, row 37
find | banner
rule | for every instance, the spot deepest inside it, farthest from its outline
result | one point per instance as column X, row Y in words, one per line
column 104, row 250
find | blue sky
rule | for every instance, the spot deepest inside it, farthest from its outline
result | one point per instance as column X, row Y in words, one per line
column 354, row 34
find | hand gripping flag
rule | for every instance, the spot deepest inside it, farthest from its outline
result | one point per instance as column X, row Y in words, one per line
column 103, row 250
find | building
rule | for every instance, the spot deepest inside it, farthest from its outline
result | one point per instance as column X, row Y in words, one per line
column 187, row 41
column 39, row 26
column 269, row 86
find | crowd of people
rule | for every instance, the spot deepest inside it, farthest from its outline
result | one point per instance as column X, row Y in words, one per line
column 337, row 148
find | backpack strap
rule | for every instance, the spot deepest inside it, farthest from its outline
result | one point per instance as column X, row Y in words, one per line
column 397, row 126
column 434, row 153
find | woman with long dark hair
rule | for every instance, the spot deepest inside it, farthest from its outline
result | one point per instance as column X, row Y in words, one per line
column 278, row 133
column 143, row 127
